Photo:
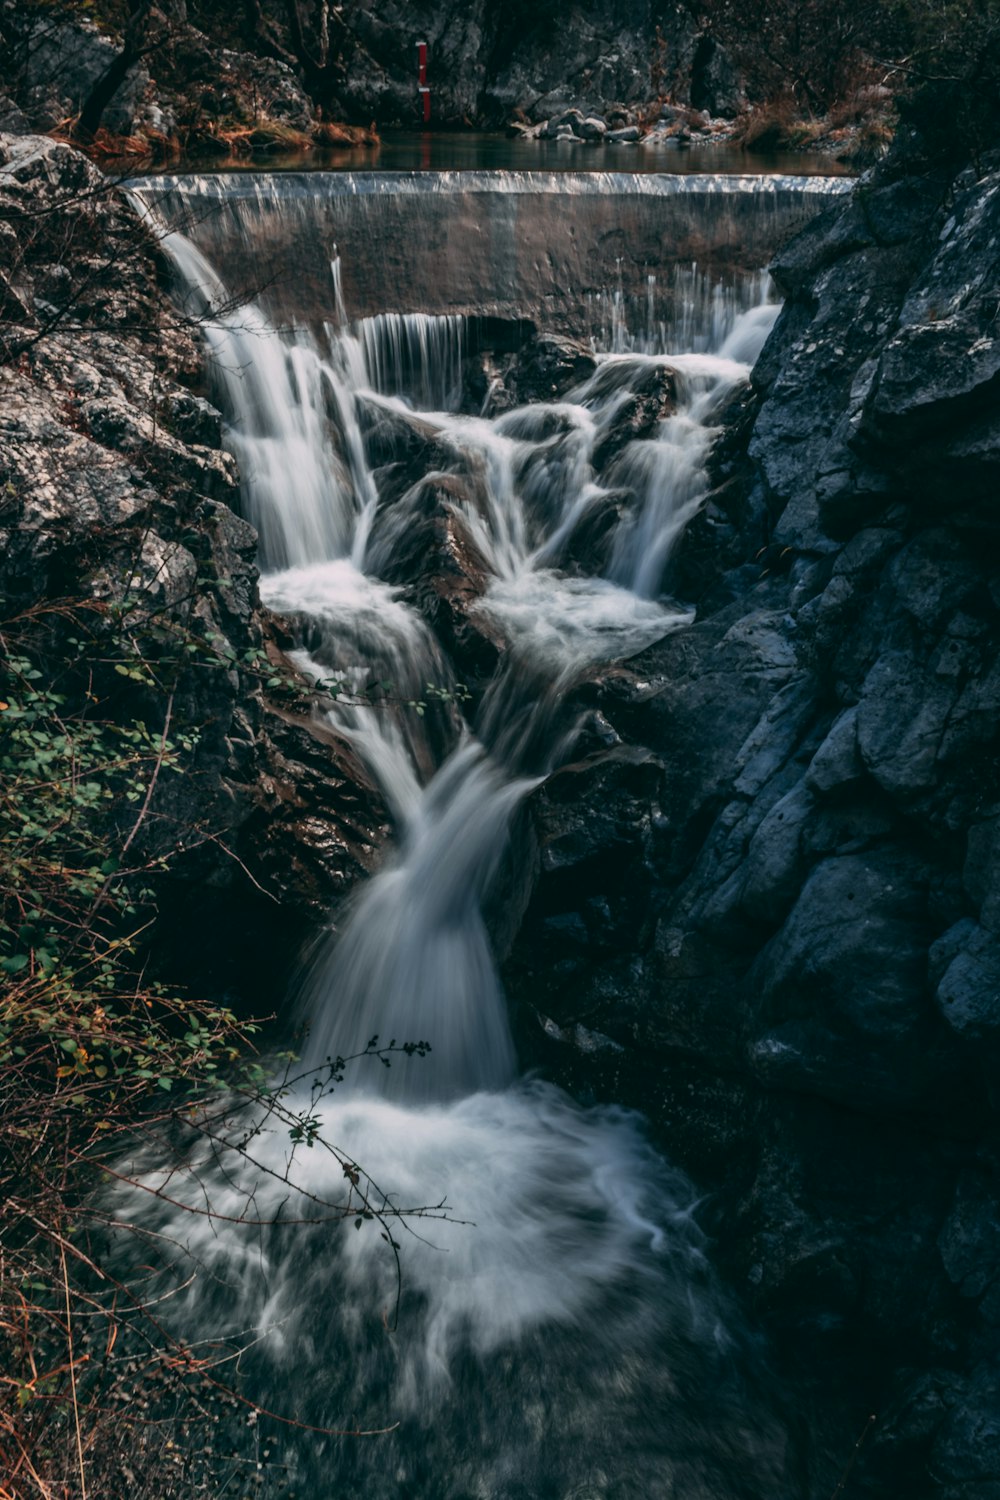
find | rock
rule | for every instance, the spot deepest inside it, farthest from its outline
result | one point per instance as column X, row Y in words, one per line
column 715, row 81
column 626, row 135
column 588, row 547
column 564, row 126
column 192, row 419
column 116, row 498
column 569, row 839
column 392, row 436
column 774, row 867
column 547, row 368
column 837, row 764
column 818, row 893
column 967, row 1448
column 945, row 326
column 12, row 120
column 65, row 59
column 425, row 542
column 650, row 398
column 590, row 129
column 848, row 990
column 968, row 992
column 981, row 871
column 969, row 1242
column 903, row 1436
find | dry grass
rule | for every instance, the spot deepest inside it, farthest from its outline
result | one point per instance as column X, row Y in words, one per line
column 334, row 133
column 768, row 127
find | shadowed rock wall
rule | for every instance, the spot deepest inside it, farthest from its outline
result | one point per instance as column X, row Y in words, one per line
column 782, row 935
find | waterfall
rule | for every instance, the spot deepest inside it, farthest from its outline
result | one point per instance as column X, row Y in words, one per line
column 692, row 311
column 560, row 1330
column 506, row 245
column 416, row 356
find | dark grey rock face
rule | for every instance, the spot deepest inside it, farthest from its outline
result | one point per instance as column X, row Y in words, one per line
column 486, row 60
column 62, row 61
column 797, row 944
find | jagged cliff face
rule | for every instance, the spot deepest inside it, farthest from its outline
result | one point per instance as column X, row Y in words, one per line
column 785, row 932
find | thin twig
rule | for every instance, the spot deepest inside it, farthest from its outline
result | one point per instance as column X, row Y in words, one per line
column 72, row 1376
column 854, row 1456
column 161, row 751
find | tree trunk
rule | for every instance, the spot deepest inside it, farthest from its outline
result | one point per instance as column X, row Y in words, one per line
column 110, row 82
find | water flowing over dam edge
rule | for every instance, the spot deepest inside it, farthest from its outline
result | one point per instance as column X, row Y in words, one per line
column 520, row 246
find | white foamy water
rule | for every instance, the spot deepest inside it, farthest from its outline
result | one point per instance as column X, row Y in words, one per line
column 567, row 1337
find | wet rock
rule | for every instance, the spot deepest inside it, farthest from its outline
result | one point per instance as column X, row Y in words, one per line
column 317, row 824
column 547, row 368
column 650, row 398
column 427, row 544
column 588, row 547
column 568, row 839
column 394, row 436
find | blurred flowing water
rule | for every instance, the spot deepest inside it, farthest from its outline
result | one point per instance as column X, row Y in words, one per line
column 567, row 1338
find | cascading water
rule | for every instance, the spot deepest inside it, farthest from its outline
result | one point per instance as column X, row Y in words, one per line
column 569, row 1338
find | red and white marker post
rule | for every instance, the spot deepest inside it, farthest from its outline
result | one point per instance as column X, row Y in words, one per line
column 422, row 89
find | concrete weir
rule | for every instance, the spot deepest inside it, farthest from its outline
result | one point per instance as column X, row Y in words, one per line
column 541, row 246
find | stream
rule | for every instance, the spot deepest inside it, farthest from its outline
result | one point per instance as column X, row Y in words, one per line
column 549, row 1323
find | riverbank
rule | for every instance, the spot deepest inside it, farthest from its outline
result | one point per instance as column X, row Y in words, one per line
column 183, row 83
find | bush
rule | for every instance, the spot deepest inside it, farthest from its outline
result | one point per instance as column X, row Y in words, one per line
column 89, row 1049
